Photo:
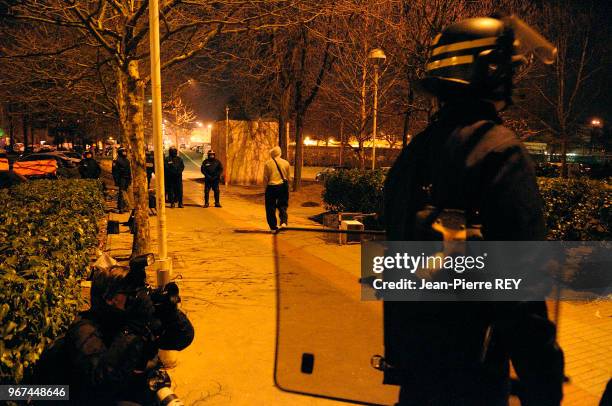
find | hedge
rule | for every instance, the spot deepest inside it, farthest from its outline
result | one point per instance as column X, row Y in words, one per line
column 354, row 190
column 577, row 209
column 574, row 209
column 48, row 229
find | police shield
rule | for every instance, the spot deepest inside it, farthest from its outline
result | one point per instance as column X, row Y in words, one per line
column 328, row 338
column 331, row 333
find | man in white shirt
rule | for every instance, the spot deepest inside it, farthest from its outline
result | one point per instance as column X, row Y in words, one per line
column 276, row 179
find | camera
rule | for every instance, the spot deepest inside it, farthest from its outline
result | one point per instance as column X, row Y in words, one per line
column 164, row 298
column 159, row 382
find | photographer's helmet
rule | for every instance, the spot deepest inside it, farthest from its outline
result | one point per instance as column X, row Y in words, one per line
column 478, row 57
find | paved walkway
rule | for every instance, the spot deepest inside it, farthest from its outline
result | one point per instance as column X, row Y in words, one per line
column 228, row 289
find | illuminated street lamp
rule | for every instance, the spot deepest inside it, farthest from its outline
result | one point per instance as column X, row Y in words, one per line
column 199, row 123
column 379, row 57
column 596, row 122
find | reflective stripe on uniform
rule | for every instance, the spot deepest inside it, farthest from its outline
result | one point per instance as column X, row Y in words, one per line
column 455, row 60
column 458, row 46
column 36, row 168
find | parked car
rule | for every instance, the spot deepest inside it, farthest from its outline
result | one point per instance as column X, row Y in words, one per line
column 45, row 165
column 73, row 156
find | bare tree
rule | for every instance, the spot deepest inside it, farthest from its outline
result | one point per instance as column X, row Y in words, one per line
column 118, row 29
column 558, row 96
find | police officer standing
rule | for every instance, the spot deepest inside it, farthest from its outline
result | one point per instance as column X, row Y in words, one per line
column 89, row 167
column 122, row 175
column 174, row 167
column 211, row 169
column 467, row 160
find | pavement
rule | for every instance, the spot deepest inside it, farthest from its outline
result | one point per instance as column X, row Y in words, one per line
column 229, row 291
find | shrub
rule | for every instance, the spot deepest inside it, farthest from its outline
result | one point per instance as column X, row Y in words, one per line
column 577, row 209
column 574, row 209
column 47, row 231
column 354, row 190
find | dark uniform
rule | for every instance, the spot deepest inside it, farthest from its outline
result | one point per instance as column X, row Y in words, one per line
column 122, row 175
column 174, row 167
column 150, row 164
column 211, row 169
column 467, row 160
column 89, row 167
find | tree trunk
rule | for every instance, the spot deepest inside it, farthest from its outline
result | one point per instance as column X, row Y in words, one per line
column 362, row 159
column 407, row 116
column 25, row 132
column 283, row 119
column 135, row 114
column 11, row 128
column 341, row 141
column 299, row 152
column 564, row 171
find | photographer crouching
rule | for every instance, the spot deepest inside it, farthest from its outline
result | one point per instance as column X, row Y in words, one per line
column 112, row 348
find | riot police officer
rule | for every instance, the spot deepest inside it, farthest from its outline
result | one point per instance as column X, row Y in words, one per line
column 211, row 169
column 174, row 167
column 467, row 160
column 122, row 175
column 89, row 167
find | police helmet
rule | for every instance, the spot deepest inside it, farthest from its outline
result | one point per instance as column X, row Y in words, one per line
column 477, row 57
column 211, row 153
column 173, row 151
column 122, row 152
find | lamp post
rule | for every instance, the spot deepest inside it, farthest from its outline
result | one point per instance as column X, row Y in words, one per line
column 378, row 56
column 226, row 144
column 164, row 264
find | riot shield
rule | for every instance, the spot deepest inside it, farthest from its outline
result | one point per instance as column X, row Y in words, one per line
column 326, row 334
column 331, row 289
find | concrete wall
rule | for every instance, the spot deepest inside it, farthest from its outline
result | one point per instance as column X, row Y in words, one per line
column 330, row 156
column 248, row 149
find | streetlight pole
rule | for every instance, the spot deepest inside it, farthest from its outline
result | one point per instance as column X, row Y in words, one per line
column 226, row 145
column 378, row 56
column 374, row 116
column 164, row 264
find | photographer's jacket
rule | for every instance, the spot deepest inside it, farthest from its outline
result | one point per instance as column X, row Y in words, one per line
column 110, row 355
column 436, row 347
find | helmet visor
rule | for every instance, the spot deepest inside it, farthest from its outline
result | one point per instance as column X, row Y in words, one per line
column 532, row 42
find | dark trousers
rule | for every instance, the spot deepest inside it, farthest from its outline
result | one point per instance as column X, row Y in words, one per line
column 214, row 185
column 149, row 176
column 123, row 199
column 277, row 197
column 175, row 190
